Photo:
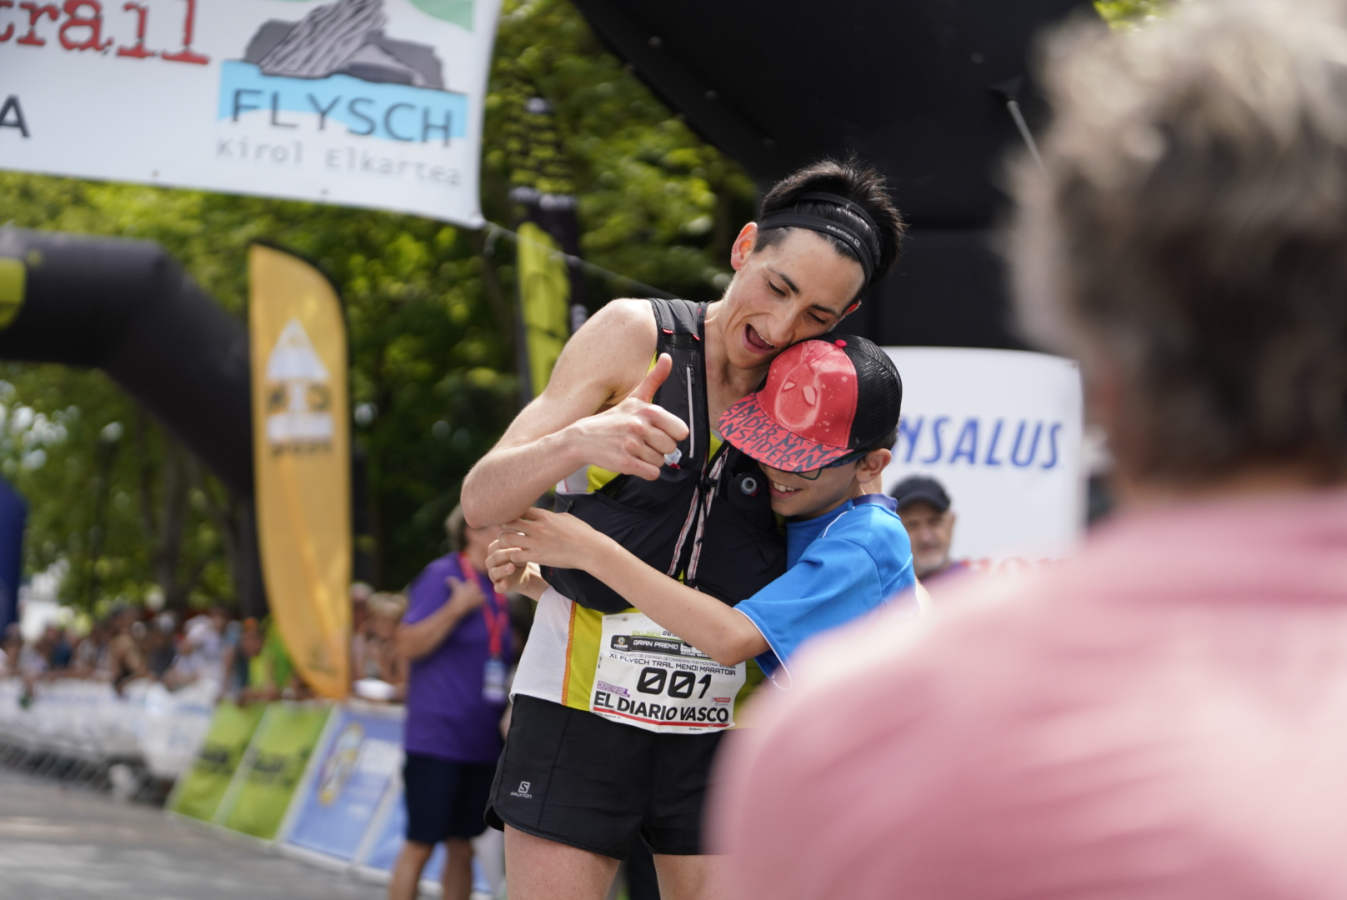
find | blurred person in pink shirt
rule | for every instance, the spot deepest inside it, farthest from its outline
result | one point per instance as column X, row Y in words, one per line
column 1165, row 714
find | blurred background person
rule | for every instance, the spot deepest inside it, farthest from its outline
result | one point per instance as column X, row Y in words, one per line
column 457, row 636
column 924, row 507
column 200, row 655
column 160, row 645
column 125, row 660
column 259, row 668
column 380, row 668
column 208, row 633
column 238, row 662
column 360, row 596
column 1163, row 715
column 10, row 647
column 91, row 651
column 60, row 653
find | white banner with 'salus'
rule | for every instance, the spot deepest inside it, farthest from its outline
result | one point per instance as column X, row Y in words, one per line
column 1001, row 430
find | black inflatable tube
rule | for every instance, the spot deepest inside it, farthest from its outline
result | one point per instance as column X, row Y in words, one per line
column 128, row 308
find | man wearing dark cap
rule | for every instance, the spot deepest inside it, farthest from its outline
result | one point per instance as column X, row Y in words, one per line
column 924, row 507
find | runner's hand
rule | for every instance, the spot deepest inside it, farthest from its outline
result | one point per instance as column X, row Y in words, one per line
column 633, row 437
column 504, row 574
column 549, row 539
column 508, row 577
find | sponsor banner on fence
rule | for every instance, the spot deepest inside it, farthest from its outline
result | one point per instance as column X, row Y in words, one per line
column 383, row 851
column 1002, row 431
column 199, row 791
column 175, row 724
column 362, row 102
column 356, row 766
column 302, row 462
column 271, row 770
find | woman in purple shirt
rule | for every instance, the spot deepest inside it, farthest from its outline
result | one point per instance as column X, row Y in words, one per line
column 456, row 635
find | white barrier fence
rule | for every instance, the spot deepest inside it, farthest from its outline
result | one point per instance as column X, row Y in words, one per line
column 85, row 725
column 345, row 812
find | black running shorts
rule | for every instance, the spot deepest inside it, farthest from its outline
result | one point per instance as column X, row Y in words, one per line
column 576, row 778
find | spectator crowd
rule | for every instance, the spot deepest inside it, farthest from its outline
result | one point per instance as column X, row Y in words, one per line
column 243, row 656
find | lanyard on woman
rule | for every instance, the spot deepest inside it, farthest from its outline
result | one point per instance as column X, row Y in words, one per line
column 494, row 613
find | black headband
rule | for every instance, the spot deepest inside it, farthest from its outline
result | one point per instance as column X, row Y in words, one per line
column 864, row 245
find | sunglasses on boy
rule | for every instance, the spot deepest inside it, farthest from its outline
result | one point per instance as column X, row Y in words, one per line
column 813, row 474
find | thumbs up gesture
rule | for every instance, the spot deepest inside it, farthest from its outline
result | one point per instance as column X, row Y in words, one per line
column 633, row 437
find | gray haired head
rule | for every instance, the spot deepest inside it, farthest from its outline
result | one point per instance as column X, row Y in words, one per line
column 1186, row 235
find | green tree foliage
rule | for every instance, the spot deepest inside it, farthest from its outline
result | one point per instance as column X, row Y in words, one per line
column 1130, row 12
column 656, row 203
column 430, row 371
column 430, row 309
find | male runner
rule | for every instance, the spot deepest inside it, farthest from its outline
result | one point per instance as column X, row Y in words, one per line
column 633, row 449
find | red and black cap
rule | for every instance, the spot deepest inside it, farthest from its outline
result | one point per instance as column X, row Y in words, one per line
column 824, row 398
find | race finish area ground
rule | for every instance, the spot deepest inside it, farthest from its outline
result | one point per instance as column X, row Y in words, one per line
column 71, row 843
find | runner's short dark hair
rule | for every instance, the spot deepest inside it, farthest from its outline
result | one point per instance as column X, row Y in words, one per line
column 852, row 180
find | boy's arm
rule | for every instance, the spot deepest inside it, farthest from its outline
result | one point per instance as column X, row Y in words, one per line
column 554, row 539
column 595, row 410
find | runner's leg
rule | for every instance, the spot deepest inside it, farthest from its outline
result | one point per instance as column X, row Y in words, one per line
column 688, row 877
column 539, row 869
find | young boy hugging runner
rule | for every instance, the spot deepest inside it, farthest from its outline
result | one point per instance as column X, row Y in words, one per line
column 820, row 428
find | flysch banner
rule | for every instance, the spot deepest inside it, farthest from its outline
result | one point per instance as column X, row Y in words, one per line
column 373, row 103
column 1002, row 431
column 356, row 765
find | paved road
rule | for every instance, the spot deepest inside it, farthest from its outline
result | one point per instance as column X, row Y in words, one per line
column 69, row 843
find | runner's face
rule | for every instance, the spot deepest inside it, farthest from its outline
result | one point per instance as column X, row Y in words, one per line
column 781, row 294
column 800, row 498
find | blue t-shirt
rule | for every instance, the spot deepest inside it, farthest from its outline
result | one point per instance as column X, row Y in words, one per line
column 841, row 565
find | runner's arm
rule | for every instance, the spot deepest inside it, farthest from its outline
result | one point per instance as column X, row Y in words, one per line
column 555, row 539
column 594, row 410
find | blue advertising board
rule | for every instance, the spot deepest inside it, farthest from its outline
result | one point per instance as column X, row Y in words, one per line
column 385, row 849
column 357, row 766
column 351, row 806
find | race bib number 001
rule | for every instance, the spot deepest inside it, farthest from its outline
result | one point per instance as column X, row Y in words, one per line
column 653, row 679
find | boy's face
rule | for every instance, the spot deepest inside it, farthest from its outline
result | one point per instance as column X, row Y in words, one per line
column 796, row 497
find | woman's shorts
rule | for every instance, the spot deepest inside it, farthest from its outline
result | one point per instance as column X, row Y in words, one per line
column 571, row 776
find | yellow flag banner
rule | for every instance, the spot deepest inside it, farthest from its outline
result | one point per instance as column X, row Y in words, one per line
column 544, row 299
column 301, row 460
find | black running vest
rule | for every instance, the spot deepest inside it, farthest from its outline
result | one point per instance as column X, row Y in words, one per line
column 707, row 519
